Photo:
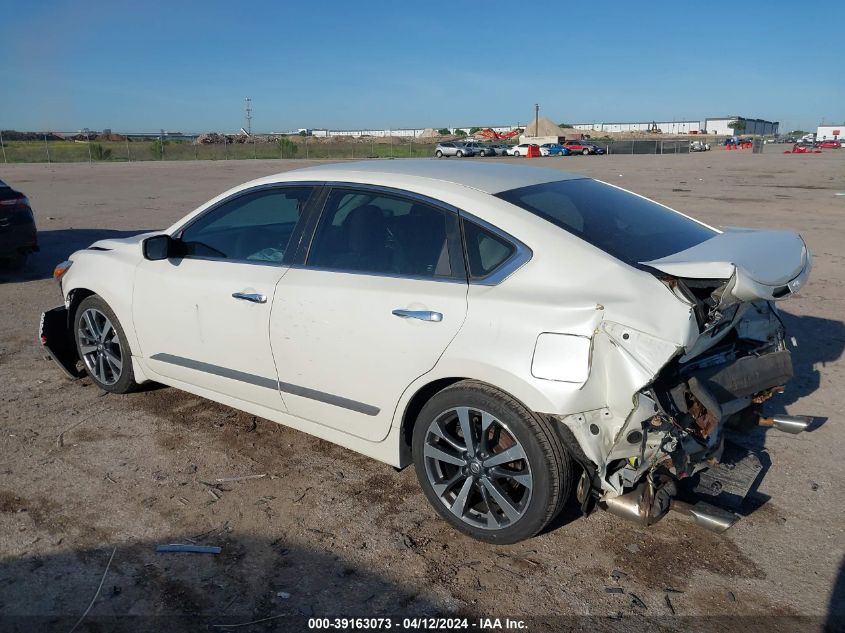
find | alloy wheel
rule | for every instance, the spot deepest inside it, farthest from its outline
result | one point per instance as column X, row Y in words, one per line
column 478, row 468
column 99, row 346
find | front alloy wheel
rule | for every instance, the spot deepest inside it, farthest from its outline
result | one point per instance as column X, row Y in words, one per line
column 99, row 346
column 102, row 346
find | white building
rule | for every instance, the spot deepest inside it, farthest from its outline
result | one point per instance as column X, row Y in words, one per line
column 712, row 125
column 719, row 126
column 404, row 132
column 830, row 131
column 665, row 127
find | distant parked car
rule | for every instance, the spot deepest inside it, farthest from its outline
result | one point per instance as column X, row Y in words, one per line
column 502, row 149
column 453, row 149
column 521, row 149
column 18, row 236
column 699, row 146
column 830, row 143
column 482, row 149
column 553, row 149
column 583, row 147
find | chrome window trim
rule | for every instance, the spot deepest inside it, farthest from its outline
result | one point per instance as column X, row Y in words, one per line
column 341, row 271
column 293, row 184
column 404, row 193
column 522, row 254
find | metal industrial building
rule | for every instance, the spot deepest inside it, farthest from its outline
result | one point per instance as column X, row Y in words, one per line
column 710, row 125
column 830, row 131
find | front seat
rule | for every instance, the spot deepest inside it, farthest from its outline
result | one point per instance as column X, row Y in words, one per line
column 366, row 234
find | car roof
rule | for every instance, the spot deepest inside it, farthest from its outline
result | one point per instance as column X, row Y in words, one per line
column 486, row 177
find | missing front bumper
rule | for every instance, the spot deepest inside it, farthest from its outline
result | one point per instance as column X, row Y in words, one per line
column 56, row 336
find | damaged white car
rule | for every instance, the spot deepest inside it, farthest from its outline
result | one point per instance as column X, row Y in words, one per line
column 515, row 333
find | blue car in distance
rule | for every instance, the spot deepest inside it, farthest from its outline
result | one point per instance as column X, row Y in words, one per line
column 553, row 149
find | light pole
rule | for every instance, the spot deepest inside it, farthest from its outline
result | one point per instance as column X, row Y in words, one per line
column 88, row 139
column 536, row 119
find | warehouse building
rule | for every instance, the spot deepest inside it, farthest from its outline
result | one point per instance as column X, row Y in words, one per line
column 760, row 127
column 830, row 131
column 665, row 127
column 711, row 125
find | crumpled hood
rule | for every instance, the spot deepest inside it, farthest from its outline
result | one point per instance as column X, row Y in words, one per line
column 763, row 264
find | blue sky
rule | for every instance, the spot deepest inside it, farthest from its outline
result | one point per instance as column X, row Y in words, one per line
column 146, row 65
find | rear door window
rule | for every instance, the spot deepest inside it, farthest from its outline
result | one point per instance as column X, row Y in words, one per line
column 371, row 232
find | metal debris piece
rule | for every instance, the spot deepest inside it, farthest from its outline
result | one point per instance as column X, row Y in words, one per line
column 669, row 604
column 616, row 574
column 189, row 549
column 223, row 480
column 636, row 602
column 614, row 590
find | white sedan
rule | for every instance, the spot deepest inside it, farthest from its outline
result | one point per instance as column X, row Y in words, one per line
column 510, row 331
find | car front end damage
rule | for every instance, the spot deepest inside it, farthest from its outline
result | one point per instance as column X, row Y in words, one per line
column 638, row 467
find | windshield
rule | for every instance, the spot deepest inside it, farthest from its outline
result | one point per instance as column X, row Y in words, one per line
column 631, row 228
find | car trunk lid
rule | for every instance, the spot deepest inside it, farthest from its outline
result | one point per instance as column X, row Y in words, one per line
column 756, row 264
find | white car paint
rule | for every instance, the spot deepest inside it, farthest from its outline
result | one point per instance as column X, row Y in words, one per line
column 573, row 332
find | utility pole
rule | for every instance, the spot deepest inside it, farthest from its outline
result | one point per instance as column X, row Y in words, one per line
column 248, row 106
column 536, row 119
column 88, row 140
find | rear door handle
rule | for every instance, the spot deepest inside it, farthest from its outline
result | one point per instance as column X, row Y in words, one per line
column 422, row 315
column 254, row 297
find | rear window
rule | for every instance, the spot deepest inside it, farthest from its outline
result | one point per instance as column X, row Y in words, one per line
column 620, row 223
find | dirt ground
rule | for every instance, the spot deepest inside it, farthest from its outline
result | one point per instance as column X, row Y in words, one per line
column 84, row 475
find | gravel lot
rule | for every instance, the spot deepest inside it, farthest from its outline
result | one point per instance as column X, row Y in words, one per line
column 328, row 532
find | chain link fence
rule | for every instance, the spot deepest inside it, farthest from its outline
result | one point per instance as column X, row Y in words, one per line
column 53, row 149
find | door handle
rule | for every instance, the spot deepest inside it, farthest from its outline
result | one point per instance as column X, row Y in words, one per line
column 422, row 315
column 254, row 297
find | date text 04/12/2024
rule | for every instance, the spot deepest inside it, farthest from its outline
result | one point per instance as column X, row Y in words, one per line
column 417, row 624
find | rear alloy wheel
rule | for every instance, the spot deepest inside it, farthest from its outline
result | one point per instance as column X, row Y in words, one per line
column 490, row 467
column 585, row 151
column 460, row 154
column 102, row 346
column 439, row 154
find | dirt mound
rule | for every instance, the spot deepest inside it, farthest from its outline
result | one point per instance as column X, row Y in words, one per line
column 429, row 133
column 545, row 127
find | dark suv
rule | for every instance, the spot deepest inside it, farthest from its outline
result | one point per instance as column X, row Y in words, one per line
column 18, row 237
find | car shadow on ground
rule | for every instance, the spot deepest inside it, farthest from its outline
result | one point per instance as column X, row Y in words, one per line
column 57, row 246
column 836, row 608
column 252, row 578
column 820, row 341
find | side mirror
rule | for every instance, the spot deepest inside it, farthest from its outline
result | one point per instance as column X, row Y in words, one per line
column 158, row 247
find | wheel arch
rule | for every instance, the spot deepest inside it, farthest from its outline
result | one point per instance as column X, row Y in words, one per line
column 75, row 296
column 422, row 395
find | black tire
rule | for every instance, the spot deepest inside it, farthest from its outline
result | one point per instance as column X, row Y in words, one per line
column 122, row 381
column 439, row 154
column 547, row 463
